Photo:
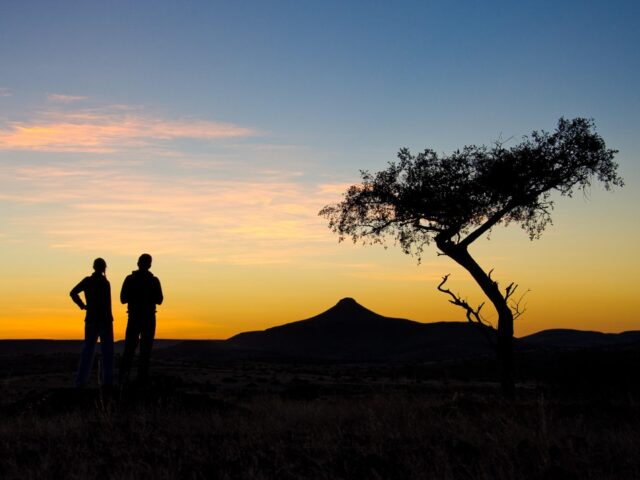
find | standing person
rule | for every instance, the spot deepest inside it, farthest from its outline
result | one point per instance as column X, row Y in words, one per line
column 98, row 323
column 142, row 292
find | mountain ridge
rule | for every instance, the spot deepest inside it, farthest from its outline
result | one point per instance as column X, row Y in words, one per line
column 349, row 331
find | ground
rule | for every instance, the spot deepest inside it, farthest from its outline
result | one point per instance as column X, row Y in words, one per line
column 252, row 419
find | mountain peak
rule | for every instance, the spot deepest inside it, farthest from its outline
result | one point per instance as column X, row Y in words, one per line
column 347, row 310
column 350, row 308
column 347, row 301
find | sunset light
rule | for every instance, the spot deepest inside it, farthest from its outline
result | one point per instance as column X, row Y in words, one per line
column 219, row 167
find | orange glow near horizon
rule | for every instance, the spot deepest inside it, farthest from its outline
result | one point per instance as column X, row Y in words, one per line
column 212, row 301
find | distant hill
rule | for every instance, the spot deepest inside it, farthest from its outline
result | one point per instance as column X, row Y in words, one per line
column 349, row 331
column 567, row 338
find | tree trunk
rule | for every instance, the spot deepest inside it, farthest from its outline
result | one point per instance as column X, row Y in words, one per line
column 505, row 315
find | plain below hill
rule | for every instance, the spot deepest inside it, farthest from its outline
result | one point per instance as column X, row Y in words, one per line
column 48, row 347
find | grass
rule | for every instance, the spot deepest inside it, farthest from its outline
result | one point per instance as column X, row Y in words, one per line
column 385, row 435
column 288, row 421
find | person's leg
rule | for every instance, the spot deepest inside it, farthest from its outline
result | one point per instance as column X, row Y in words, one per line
column 147, row 335
column 130, row 345
column 86, row 356
column 106, row 350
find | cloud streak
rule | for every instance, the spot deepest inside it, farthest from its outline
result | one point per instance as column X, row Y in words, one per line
column 242, row 204
column 271, row 218
column 62, row 98
column 109, row 129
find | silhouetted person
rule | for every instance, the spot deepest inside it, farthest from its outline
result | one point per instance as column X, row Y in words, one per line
column 98, row 323
column 142, row 292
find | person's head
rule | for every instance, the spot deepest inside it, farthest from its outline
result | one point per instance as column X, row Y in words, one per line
column 144, row 262
column 99, row 265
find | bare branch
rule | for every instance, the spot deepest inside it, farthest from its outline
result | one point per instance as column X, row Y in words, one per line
column 489, row 275
column 511, row 288
column 473, row 315
column 516, row 305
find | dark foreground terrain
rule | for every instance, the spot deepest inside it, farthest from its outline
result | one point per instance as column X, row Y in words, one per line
column 576, row 416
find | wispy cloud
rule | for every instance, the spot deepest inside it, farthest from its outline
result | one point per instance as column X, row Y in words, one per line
column 109, row 129
column 5, row 92
column 240, row 203
column 62, row 98
column 265, row 218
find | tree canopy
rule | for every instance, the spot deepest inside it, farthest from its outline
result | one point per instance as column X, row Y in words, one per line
column 459, row 197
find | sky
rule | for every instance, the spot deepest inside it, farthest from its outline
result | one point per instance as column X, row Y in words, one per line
column 210, row 133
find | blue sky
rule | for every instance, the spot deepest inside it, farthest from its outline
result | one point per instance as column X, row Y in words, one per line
column 215, row 131
column 347, row 74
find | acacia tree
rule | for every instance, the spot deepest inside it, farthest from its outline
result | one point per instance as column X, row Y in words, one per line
column 452, row 200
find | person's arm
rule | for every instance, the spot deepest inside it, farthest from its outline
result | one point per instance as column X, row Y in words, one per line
column 75, row 294
column 159, row 296
column 124, row 293
column 109, row 300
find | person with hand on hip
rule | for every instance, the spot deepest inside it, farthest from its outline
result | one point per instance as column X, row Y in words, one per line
column 98, row 323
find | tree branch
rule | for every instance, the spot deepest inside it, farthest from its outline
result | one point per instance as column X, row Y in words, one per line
column 428, row 228
column 486, row 226
column 515, row 305
column 473, row 315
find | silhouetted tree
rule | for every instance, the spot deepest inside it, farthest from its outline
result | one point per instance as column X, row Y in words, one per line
column 455, row 199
